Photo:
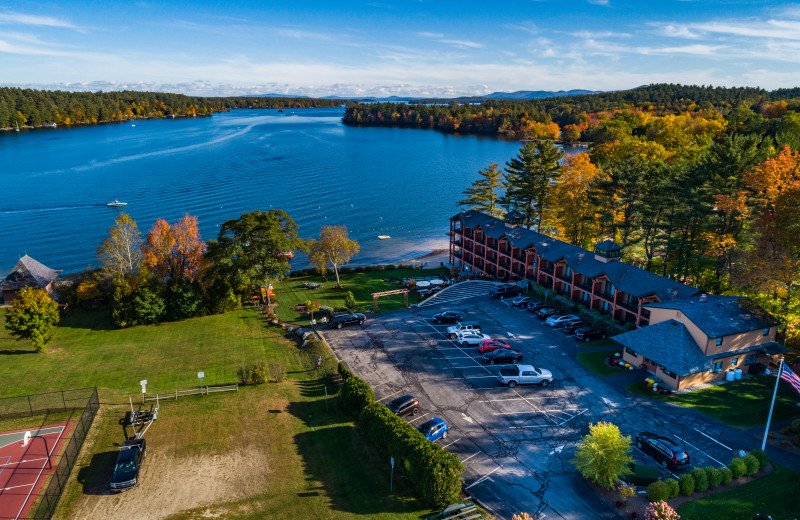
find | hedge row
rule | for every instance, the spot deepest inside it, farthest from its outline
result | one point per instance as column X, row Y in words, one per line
column 435, row 472
column 344, row 372
column 702, row 479
column 356, row 395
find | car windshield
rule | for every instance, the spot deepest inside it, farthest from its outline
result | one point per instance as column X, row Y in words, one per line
column 125, row 466
column 537, row 371
column 426, row 428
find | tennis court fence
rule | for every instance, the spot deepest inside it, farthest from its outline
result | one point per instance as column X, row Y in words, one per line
column 29, row 405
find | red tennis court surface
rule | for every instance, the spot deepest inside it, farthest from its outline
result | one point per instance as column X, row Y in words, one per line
column 23, row 469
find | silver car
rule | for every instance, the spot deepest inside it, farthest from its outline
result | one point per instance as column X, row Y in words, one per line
column 558, row 320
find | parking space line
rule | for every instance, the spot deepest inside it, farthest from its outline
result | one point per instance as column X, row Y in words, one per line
column 484, row 477
column 418, row 417
column 701, row 451
column 465, row 460
column 713, row 439
column 451, row 442
column 480, row 377
column 390, row 395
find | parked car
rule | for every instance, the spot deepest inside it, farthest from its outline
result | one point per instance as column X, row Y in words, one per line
column 505, row 291
column 129, row 463
column 434, row 429
column 589, row 333
column 461, row 327
column 559, row 320
column 666, row 451
column 405, row 405
column 502, row 355
column 472, row 338
column 571, row 326
column 524, row 375
column 521, row 301
column 545, row 312
column 492, row 344
column 448, row 317
column 535, row 306
column 340, row 320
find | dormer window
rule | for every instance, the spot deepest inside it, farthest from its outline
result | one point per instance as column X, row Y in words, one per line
column 766, row 332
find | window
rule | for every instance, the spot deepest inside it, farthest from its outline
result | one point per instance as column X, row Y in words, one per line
column 750, row 359
column 734, row 361
column 568, row 271
column 719, row 341
column 716, row 367
column 766, row 332
column 673, row 375
column 631, row 351
column 610, row 288
column 586, row 297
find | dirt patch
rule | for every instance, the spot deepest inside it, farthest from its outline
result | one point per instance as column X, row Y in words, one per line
column 173, row 484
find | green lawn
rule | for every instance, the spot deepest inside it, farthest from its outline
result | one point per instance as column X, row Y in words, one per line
column 777, row 494
column 596, row 362
column 291, row 292
column 741, row 404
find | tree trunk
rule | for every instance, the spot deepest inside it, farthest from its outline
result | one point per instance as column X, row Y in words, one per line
column 336, row 271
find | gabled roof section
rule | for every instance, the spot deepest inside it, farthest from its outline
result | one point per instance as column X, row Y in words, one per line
column 721, row 315
column 607, row 245
column 669, row 344
column 28, row 273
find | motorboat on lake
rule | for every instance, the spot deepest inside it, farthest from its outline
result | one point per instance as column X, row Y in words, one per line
column 116, row 204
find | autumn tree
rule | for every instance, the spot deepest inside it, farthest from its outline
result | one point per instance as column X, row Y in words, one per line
column 121, row 251
column 603, row 455
column 175, row 251
column 33, row 315
column 334, row 247
column 529, row 177
column 571, row 213
column 484, row 193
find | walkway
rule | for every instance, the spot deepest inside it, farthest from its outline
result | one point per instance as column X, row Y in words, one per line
column 459, row 291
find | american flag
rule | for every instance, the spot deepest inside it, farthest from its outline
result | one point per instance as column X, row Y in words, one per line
column 791, row 378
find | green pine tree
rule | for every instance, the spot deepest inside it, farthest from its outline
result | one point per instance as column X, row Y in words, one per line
column 484, row 194
column 529, row 176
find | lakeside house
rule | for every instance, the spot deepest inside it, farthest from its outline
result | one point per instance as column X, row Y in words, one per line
column 682, row 336
column 27, row 273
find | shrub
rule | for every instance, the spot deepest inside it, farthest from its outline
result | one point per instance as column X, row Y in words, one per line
column 700, row 480
column 390, row 267
column 253, row 374
column 627, row 491
column 344, row 372
column 796, row 426
column 350, row 301
column 658, row 491
column 763, row 458
column 738, row 468
column 356, row 395
column 726, row 476
column 674, row 487
column 660, row 511
column 686, row 483
column 751, row 464
column 714, row 476
column 277, row 372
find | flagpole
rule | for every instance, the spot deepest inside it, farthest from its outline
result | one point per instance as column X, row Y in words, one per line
column 772, row 405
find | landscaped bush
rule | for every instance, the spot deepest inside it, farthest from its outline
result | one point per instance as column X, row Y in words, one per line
column 714, row 476
column 763, row 458
column 277, row 372
column 660, row 511
column 674, row 487
column 751, row 463
column 253, row 374
column 726, row 476
column 738, row 468
column 686, row 483
column 700, row 480
column 344, row 372
column 658, row 491
column 356, row 395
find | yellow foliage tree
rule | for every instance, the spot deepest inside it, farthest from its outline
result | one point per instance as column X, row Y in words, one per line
column 571, row 212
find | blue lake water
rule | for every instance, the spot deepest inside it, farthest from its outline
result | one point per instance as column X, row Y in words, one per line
column 54, row 184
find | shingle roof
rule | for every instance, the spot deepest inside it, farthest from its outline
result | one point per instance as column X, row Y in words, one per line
column 721, row 315
column 608, row 245
column 625, row 277
column 669, row 344
column 28, row 273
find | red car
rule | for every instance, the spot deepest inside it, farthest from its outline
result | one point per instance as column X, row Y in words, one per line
column 489, row 345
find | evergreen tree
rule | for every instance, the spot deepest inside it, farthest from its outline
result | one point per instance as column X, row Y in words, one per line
column 484, row 194
column 530, row 176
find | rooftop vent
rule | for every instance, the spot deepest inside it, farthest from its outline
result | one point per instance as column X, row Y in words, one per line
column 703, row 298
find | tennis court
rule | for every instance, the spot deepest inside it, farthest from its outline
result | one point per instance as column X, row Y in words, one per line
column 26, row 458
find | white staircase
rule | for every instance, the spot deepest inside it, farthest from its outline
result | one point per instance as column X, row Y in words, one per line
column 459, row 291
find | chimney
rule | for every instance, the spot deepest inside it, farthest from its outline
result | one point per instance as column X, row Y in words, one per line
column 703, row 298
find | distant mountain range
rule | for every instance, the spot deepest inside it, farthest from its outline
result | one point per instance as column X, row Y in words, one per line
column 519, row 95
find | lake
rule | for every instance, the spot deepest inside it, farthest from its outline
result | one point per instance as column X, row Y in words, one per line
column 376, row 181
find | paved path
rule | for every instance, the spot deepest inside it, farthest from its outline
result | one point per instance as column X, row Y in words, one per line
column 460, row 291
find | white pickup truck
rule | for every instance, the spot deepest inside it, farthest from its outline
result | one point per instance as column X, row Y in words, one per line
column 524, row 375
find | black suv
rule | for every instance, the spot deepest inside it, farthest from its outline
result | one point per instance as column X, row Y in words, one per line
column 448, row 317
column 408, row 404
column 664, row 450
column 129, row 462
column 340, row 320
column 505, row 291
column 589, row 333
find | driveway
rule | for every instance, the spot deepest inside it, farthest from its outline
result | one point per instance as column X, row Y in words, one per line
column 516, row 444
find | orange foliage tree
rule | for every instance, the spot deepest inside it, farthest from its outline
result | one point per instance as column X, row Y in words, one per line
column 575, row 218
column 175, row 251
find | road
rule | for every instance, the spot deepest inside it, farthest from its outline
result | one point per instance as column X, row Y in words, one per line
column 516, row 444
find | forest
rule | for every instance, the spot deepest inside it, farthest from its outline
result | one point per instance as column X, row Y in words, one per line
column 26, row 108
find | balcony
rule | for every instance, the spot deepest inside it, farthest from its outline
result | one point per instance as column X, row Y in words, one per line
column 506, row 251
column 607, row 296
column 564, row 277
column 629, row 307
column 585, row 286
column 519, row 258
column 457, row 254
column 547, row 270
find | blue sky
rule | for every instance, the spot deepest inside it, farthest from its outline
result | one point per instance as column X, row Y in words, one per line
column 422, row 48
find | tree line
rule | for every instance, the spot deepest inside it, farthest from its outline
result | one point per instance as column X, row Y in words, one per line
column 37, row 108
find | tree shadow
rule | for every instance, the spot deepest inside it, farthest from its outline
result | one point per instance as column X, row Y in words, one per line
column 15, row 352
column 92, row 320
column 353, row 474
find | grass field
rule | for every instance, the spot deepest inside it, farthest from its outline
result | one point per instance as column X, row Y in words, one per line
column 291, row 292
column 741, row 404
column 596, row 362
column 777, row 494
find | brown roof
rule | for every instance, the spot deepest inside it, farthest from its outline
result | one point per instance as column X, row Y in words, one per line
column 28, row 273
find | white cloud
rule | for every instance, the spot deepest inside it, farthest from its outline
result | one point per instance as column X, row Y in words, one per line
column 598, row 2
column 463, row 43
column 694, row 50
column 678, row 31
column 430, row 35
column 785, row 30
column 528, row 27
column 589, row 35
column 29, row 19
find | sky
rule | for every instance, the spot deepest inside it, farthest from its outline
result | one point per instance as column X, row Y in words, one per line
column 406, row 48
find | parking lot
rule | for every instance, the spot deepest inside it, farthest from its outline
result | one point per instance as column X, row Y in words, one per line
column 516, row 443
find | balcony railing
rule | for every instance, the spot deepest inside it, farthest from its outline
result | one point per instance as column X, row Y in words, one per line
column 547, row 270
column 564, row 277
column 607, row 296
column 585, row 286
column 629, row 307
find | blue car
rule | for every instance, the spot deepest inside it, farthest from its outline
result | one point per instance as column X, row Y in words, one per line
column 434, row 429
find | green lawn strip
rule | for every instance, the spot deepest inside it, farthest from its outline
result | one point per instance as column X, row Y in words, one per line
column 777, row 494
column 290, row 292
column 608, row 342
column 741, row 404
column 596, row 362
column 88, row 351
